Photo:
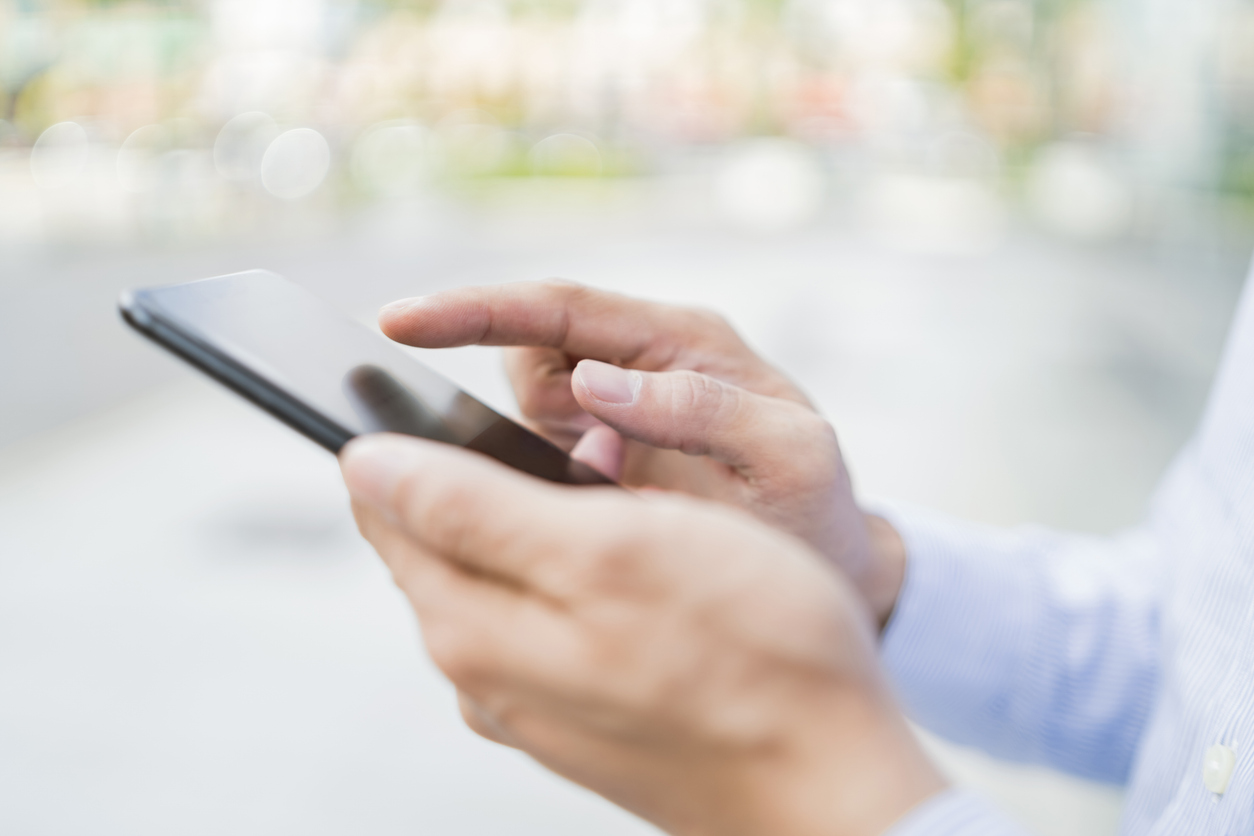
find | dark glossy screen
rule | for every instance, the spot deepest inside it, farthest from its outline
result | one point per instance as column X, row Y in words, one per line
column 314, row 359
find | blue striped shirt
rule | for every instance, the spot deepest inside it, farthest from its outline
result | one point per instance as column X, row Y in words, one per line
column 1121, row 659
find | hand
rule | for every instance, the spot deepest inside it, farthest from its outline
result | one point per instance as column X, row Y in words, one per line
column 686, row 662
column 666, row 397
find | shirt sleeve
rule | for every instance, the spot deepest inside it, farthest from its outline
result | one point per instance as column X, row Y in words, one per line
column 955, row 813
column 1030, row 644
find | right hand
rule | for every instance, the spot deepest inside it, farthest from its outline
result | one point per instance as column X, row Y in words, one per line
column 664, row 397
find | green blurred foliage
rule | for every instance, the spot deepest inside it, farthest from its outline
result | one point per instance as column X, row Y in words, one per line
column 1020, row 71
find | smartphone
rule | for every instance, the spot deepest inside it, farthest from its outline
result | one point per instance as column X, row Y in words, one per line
column 325, row 375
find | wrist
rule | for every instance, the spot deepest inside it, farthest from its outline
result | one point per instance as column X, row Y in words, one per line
column 860, row 770
column 887, row 570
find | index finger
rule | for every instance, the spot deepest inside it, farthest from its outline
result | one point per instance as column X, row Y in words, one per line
column 581, row 321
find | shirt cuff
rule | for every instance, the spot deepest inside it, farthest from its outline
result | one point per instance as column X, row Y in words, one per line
column 964, row 620
column 955, row 812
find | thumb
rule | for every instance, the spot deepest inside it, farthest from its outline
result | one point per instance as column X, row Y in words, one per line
column 685, row 411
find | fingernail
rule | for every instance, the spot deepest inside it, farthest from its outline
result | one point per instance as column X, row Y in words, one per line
column 373, row 465
column 609, row 383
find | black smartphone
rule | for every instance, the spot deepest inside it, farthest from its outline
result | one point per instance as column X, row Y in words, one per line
column 325, row 375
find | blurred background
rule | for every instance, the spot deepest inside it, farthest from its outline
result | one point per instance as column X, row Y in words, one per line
column 999, row 241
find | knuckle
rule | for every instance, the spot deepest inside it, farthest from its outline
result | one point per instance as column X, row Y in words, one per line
column 564, row 290
column 700, row 397
column 613, row 565
column 708, row 319
column 820, row 436
column 695, row 392
column 814, row 428
column 627, row 563
column 446, row 518
column 712, row 326
column 454, row 653
column 595, row 573
column 563, row 297
column 483, row 720
column 367, row 520
column 615, row 570
column 627, row 665
column 502, row 711
column 407, row 496
column 811, row 432
column 475, row 720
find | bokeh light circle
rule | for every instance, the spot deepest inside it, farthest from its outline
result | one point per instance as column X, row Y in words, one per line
column 1073, row 188
column 471, row 142
column 390, row 157
column 137, row 156
column 59, row 155
column 295, row 163
column 241, row 144
column 769, row 184
column 566, row 154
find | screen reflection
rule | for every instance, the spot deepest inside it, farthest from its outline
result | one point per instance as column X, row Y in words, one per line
column 384, row 404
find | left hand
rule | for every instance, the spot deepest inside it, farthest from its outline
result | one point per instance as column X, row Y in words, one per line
column 690, row 664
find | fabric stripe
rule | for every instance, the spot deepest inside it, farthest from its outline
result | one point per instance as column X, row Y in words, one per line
column 955, row 813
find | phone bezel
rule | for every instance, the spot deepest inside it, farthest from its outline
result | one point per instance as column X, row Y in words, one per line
column 237, row 377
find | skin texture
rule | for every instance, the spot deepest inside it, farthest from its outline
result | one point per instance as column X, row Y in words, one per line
column 664, row 397
column 687, row 662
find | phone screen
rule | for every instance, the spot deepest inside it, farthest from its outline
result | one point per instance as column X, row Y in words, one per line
column 307, row 362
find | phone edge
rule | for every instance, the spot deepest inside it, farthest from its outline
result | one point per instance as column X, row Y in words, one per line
column 236, row 377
